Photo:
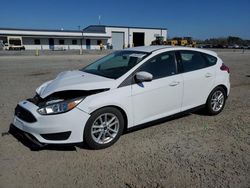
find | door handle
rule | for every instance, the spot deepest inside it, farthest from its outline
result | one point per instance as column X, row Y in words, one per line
column 207, row 75
column 174, row 83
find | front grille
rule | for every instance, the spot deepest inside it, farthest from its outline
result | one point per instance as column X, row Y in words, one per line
column 24, row 114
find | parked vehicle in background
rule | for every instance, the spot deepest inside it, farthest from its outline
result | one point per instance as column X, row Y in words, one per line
column 219, row 46
column 244, row 47
column 121, row 90
column 235, row 46
column 207, row 46
column 14, row 43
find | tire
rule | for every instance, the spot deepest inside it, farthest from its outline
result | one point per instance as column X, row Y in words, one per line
column 216, row 101
column 103, row 128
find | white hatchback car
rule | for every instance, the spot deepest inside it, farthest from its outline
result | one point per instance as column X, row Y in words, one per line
column 124, row 89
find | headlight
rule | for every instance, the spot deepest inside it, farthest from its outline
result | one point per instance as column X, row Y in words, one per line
column 58, row 106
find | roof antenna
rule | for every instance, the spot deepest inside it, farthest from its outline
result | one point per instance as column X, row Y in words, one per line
column 99, row 19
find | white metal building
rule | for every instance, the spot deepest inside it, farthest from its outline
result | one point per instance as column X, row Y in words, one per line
column 115, row 37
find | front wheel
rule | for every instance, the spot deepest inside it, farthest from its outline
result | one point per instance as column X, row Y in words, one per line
column 103, row 128
column 216, row 101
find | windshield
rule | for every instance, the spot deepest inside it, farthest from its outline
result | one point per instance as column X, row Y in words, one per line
column 116, row 64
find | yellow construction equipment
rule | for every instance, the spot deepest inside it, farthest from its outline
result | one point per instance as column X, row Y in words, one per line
column 177, row 41
column 172, row 42
column 159, row 40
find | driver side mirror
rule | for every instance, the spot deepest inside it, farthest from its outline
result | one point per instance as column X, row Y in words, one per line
column 143, row 76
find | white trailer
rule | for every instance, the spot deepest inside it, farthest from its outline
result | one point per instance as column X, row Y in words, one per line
column 14, row 43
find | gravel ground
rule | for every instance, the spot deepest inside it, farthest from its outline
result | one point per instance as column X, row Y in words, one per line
column 192, row 151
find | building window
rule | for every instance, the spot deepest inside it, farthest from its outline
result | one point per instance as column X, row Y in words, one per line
column 74, row 42
column 61, row 42
column 37, row 41
column 99, row 42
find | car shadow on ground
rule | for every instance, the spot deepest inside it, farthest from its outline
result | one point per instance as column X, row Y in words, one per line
column 73, row 147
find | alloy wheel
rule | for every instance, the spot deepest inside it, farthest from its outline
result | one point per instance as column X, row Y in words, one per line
column 105, row 128
column 217, row 101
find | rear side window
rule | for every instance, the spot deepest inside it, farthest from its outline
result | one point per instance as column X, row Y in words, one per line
column 211, row 60
column 160, row 66
column 192, row 60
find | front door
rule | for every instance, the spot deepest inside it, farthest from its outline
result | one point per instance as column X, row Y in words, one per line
column 88, row 44
column 51, row 44
column 163, row 95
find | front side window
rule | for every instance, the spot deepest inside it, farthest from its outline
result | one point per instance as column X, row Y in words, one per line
column 192, row 60
column 116, row 64
column 160, row 66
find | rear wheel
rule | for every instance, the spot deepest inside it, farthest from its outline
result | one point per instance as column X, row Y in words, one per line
column 216, row 101
column 104, row 128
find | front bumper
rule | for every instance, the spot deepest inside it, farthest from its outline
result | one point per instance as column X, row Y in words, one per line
column 51, row 129
column 25, row 137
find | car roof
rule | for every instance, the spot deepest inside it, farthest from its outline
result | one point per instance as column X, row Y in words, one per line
column 150, row 49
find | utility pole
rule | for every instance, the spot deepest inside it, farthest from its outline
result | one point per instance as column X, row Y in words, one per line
column 81, row 50
column 99, row 19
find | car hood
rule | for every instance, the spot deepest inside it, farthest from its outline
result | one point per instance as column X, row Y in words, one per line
column 74, row 80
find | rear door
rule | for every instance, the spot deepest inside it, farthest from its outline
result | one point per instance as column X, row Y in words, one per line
column 198, row 78
column 163, row 95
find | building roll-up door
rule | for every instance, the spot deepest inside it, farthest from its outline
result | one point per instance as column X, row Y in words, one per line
column 138, row 39
column 117, row 40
